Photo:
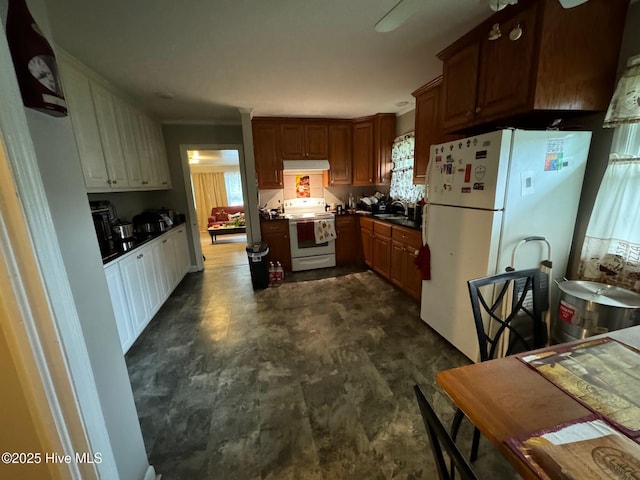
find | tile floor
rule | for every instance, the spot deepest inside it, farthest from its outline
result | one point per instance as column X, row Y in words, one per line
column 311, row 380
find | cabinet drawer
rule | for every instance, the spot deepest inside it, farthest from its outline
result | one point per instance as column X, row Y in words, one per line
column 382, row 229
column 366, row 223
column 407, row 236
column 275, row 226
column 346, row 221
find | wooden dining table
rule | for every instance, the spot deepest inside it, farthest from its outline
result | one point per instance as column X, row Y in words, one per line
column 505, row 398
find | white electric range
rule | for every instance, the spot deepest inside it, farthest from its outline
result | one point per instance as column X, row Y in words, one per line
column 306, row 253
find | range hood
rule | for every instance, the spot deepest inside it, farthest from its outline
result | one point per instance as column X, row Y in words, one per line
column 304, row 166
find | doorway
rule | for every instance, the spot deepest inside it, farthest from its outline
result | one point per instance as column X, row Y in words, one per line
column 215, row 176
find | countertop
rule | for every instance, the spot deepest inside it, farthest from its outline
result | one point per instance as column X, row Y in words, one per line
column 393, row 219
column 139, row 241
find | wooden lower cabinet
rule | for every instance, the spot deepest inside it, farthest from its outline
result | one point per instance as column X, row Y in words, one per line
column 405, row 244
column 366, row 236
column 275, row 233
column 382, row 248
column 390, row 251
column 348, row 251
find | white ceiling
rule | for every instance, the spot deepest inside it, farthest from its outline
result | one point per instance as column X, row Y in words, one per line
column 278, row 57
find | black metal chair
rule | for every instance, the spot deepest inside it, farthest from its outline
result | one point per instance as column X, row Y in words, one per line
column 508, row 316
column 439, row 438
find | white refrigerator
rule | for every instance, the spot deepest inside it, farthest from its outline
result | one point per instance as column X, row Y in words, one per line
column 485, row 194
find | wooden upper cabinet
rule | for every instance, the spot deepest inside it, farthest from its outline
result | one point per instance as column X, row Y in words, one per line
column 340, row 154
column 363, row 162
column 384, row 132
column 372, row 141
column 428, row 126
column 508, row 91
column 533, row 57
column 267, row 154
column 304, row 141
column 460, row 72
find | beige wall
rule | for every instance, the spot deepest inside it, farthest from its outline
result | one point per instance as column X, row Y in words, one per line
column 405, row 123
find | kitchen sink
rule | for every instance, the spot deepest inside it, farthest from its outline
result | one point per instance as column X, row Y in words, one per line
column 397, row 219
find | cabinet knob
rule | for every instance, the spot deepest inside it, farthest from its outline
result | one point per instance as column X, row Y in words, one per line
column 515, row 33
column 371, row 179
column 469, row 113
column 109, row 182
column 478, row 109
column 114, row 182
column 164, row 241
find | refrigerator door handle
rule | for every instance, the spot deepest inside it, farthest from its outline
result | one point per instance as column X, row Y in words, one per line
column 425, row 220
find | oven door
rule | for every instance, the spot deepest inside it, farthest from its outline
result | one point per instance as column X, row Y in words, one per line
column 303, row 242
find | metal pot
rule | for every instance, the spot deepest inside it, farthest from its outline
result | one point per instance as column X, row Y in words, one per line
column 591, row 308
column 122, row 230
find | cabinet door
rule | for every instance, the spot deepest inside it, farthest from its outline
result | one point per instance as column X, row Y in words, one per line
column 363, row 161
column 162, row 265
column 145, row 151
column 412, row 280
column 428, row 126
column 460, row 72
column 366, row 237
column 135, row 286
column 398, row 253
column 348, row 241
column 110, row 137
column 151, row 276
column 292, row 141
column 505, row 67
column 182, row 256
column 340, row 154
column 382, row 255
column 276, row 235
column 128, row 130
column 77, row 91
column 162, row 179
column 316, row 142
column 267, row 155
column 120, row 306
column 384, row 132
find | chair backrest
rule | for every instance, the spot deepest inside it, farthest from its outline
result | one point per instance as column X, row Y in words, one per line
column 507, row 313
column 439, row 438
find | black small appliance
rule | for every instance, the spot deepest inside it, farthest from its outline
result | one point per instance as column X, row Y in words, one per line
column 103, row 215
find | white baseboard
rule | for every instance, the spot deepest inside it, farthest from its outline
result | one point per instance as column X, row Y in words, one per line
column 150, row 474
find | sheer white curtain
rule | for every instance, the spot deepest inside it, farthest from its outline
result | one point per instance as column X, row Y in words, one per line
column 611, row 249
column 209, row 191
column 233, row 185
column 402, row 155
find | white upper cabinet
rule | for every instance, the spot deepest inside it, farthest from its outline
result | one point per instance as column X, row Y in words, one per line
column 120, row 147
column 77, row 92
column 125, row 116
column 110, row 137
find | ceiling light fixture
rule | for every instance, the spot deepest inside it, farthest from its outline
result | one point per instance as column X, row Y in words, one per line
column 497, row 5
column 194, row 157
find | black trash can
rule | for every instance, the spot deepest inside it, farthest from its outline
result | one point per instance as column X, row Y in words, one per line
column 257, row 255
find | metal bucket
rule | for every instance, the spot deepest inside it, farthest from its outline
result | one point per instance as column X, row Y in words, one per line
column 591, row 308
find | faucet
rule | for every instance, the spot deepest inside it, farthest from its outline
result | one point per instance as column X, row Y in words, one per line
column 404, row 205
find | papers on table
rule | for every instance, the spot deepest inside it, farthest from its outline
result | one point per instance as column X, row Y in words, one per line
column 587, row 449
column 604, row 375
